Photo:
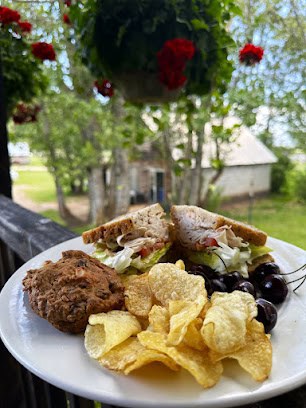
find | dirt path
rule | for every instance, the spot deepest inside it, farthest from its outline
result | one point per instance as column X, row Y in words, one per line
column 77, row 205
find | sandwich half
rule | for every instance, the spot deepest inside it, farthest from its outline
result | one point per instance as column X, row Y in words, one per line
column 219, row 242
column 131, row 242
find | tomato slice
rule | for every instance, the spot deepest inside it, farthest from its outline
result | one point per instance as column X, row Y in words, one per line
column 148, row 250
column 145, row 252
column 209, row 242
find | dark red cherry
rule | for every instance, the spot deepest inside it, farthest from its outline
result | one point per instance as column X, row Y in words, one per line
column 230, row 279
column 264, row 270
column 204, row 271
column 245, row 286
column 267, row 314
column 274, row 289
column 218, row 286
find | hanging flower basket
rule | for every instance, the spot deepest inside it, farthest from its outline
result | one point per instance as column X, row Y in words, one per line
column 153, row 51
column 144, row 87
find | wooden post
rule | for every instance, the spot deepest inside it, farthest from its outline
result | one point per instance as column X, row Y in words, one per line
column 5, row 177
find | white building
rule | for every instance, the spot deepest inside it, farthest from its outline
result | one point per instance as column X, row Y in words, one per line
column 247, row 167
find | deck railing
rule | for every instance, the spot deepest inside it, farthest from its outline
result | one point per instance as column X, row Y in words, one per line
column 24, row 234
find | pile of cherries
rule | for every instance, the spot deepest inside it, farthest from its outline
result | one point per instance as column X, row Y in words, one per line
column 265, row 284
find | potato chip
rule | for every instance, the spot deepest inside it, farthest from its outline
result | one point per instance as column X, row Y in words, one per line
column 204, row 310
column 138, row 296
column 180, row 264
column 168, row 282
column 193, row 336
column 225, row 324
column 122, row 355
column 196, row 362
column 256, row 356
column 182, row 313
column 159, row 319
column 148, row 356
column 106, row 330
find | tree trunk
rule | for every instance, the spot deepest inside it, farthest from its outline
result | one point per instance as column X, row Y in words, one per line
column 5, row 178
column 185, row 185
column 119, row 201
column 119, row 194
column 96, row 196
column 62, row 209
column 169, row 163
column 197, row 174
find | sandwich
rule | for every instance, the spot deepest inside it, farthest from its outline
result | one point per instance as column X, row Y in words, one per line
column 132, row 242
column 219, row 242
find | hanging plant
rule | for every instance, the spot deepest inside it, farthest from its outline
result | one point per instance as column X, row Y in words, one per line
column 25, row 113
column 152, row 51
column 21, row 64
column 43, row 51
column 250, row 54
column 172, row 60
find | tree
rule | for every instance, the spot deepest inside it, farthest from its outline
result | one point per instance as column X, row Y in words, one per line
column 21, row 77
column 270, row 97
column 183, row 131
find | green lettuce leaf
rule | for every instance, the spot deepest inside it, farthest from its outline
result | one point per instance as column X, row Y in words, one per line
column 147, row 262
column 204, row 258
column 119, row 261
column 257, row 251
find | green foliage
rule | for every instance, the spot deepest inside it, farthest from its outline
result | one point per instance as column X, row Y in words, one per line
column 72, row 134
column 125, row 36
column 271, row 95
column 214, row 198
column 23, row 74
column 296, row 184
column 280, row 169
column 279, row 217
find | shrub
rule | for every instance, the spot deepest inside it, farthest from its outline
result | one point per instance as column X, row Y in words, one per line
column 280, row 170
column 295, row 186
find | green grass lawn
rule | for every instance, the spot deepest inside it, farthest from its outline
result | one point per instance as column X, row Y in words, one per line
column 36, row 161
column 278, row 217
column 54, row 216
column 275, row 215
column 39, row 185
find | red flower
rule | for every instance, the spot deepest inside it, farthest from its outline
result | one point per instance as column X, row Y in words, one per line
column 66, row 19
column 172, row 60
column 25, row 113
column 67, row 3
column 105, row 88
column 43, row 51
column 250, row 54
column 173, row 79
column 25, row 26
column 8, row 16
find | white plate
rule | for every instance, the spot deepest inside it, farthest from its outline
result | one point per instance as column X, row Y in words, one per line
column 61, row 359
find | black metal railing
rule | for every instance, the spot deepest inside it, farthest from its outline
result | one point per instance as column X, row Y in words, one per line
column 24, row 234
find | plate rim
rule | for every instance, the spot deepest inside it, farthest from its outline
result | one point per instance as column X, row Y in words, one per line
column 224, row 401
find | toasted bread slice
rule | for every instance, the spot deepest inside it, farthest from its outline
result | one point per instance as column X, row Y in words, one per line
column 150, row 218
column 189, row 218
column 260, row 260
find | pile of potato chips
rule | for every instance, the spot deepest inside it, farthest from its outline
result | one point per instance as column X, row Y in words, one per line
column 170, row 319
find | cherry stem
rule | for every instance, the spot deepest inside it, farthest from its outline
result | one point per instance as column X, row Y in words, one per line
column 304, row 279
column 221, row 261
column 299, row 269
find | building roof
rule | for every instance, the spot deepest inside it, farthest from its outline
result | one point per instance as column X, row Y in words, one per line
column 246, row 150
